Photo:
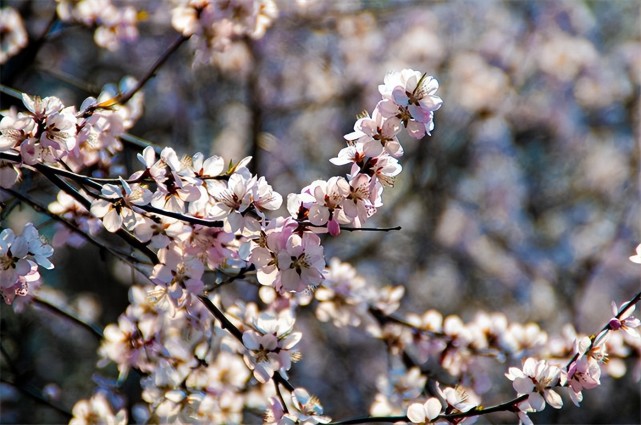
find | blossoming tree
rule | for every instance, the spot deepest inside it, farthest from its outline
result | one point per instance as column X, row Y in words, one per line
column 226, row 272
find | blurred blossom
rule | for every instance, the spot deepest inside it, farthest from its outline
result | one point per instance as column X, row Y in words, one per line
column 14, row 34
column 85, row 412
column 477, row 86
column 565, row 56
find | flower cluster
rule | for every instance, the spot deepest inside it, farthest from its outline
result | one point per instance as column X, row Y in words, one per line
column 287, row 253
column 196, row 217
column 50, row 132
column 214, row 24
column 46, row 133
column 113, row 25
column 458, row 347
column 20, row 256
column 287, row 260
column 409, row 101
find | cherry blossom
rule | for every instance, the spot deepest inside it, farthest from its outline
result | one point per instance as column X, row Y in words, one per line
column 396, row 388
column 199, row 369
column 583, row 373
column 131, row 344
column 85, row 412
column 23, row 287
column 353, row 153
column 326, row 209
column 264, row 197
column 213, row 24
column 15, row 127
column 20, row 257
column 424, row 413
column 45, row 133
column 160, row 232
column 211, row 246
column 178, row 275
column 269, row 345
column 116, row 206
column 157, row 170
column 342, row 296
column 306, row 409
column 523, row 409
column 377, row 130
column 286, row 260
column 176, row 188
column 536, row 379
column 625, row 322
column 409, row 97
column 361, row 202
column 459, row 400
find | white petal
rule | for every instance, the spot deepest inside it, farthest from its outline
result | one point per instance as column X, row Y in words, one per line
column 416, row 413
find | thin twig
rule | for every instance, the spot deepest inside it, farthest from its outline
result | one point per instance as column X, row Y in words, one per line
column 628, row 305
column 94, row 329
column 370, row 229
column 371, row 420
column 54, row 173
column 122, row 99
column 51, row 175
column 41, row 209
column 36, row 394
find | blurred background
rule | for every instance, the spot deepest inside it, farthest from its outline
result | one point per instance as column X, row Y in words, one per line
column 525, row 200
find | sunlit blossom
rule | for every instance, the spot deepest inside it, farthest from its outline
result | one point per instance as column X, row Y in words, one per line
column 537, row 379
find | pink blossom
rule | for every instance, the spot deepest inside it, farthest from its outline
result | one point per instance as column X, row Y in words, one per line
column 179, row 274
column 377, row 134
column 20, row 257
column 14, row 129
column 301, row 263
column 308, row 409
column 22, row 287
column 458, row 400
column 361, row 202
column 342, row 296
column 161, row 231
column 409, row 97
column 383, row 169
column 354, row 153
column 46, row 133
column 131, row 344
column 327, row 206
column 117, row 205
column 625, row 322
column 264, row 198
column 269, row 345
column 210, row 245
column 286, row 260
column 157, row 170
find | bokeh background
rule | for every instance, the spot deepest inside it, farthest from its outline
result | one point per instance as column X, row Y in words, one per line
column 525, row 200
